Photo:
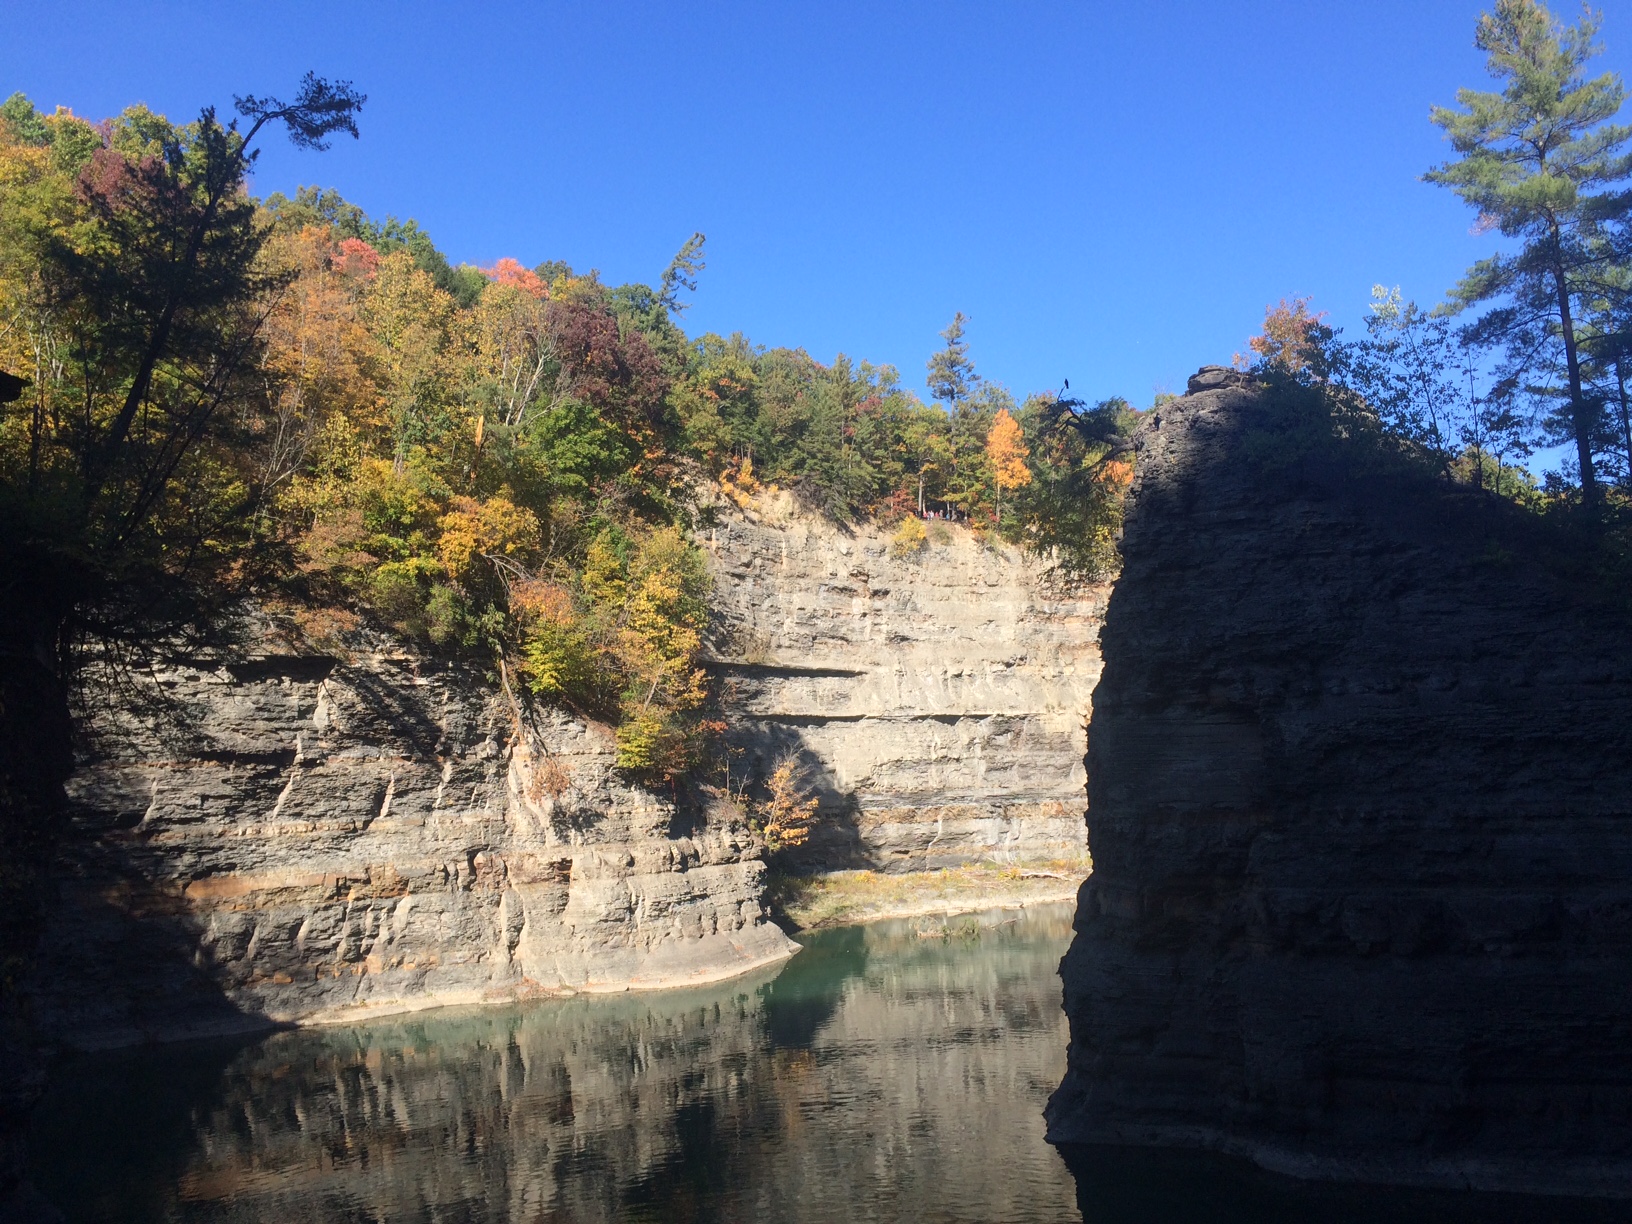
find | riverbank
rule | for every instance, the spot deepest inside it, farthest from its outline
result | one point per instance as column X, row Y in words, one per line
column 839, row 898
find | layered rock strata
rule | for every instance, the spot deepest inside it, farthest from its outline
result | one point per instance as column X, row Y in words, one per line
column 289, row 838
column 1361, row 783
column 937, row 698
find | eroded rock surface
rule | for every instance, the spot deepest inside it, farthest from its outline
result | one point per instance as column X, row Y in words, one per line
column 297, row 838
column 938, row 698
column 1361, row 794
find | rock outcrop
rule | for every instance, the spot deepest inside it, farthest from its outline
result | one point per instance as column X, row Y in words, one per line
column 1361, row 792
column 938, row 697
column 290, row 838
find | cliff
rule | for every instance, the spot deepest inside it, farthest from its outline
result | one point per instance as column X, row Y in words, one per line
column 291, row 838
column 282, row 837
column 937, row 698
column 1361, row 791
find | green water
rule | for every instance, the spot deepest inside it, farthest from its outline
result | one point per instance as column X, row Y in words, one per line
column 894, row 1072
column 889, row 1072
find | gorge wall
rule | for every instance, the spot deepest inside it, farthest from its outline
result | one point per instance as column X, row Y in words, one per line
column 1361, row 782
column 937, row 699
column 290, row 837
column 271, row 835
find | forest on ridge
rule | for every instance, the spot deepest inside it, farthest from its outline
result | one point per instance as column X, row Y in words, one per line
column 213, row 395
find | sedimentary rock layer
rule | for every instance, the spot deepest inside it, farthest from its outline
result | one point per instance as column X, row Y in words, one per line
column 938, row 698
column 1361, row 792
column 297, row 838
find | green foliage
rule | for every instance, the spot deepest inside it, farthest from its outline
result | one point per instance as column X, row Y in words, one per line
column 315, row 405
column 1072, row 507
column 1540, row 161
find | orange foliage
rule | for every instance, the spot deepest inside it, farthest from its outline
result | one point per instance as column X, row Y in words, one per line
column 354, row 257
column 1292, row 338
column 1115, row 472
column 1006, row 448
column 509, row 271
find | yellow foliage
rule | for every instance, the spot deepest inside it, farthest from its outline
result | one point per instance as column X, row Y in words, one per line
column 785, row 817
column 557, row 660
column 473, row 531
column 910, row 537
column 738, row 482
column 1006, row 448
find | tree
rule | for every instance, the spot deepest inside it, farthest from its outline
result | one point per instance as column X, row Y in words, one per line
column 952, row 378
column 682, row 273
column 1006, row 449
column 1537, row 161
column 1294, row 340
column 785, row 817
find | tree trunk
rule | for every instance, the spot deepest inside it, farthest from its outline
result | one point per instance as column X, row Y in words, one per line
column 1626, row 416
column 1578, row 406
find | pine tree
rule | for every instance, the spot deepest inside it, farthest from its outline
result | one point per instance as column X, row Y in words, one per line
column 952, row 377
column 1536, row 160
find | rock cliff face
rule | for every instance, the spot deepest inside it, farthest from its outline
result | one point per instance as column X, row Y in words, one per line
column 1361, row 794
column 937, row 698
column 290, row 838
column 294, row 838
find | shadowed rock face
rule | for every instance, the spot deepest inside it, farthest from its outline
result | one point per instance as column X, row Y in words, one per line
column 1361, row 782
column 937, row 699
column 294, row 838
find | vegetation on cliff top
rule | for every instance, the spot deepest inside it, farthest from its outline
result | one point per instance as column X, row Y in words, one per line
column 1545, row 362
column 291, row 398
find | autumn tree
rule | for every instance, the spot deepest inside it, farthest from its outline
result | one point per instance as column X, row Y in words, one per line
column 1541, row 162
column 1295, row 341
column 1006, row 450
column 785, row 816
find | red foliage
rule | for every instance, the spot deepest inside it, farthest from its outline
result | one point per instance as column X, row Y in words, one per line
column 604, row 366
column 511, row 272
column 354, row 257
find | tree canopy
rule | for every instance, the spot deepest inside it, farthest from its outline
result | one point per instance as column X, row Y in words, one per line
column 1539, row 160
column 292, row 399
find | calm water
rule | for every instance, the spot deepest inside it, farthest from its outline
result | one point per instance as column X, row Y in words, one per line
column 889, row 1072
column 894, row 1072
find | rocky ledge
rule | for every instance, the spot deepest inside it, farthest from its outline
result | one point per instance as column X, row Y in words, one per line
column 292, row 838
column 1361, row 791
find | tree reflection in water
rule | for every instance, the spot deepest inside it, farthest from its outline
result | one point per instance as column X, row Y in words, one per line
column 895, row 1071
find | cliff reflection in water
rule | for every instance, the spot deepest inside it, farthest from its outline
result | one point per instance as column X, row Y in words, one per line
column 896, row 1071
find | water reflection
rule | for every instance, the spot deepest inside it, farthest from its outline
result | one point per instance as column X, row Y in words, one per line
column 890, row 1072
column 1127, row 1186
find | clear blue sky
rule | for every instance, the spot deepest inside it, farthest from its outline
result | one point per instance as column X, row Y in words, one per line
column 1112, row 191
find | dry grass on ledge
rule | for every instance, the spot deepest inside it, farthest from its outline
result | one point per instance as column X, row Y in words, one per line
column 839, row 898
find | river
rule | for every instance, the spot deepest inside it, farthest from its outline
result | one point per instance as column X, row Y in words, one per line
column 889, row 1072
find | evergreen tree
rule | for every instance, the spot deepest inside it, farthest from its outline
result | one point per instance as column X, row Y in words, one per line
column 952, row 377
column 1538, row 160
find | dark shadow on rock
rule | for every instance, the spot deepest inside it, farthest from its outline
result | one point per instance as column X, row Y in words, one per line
column 835, row 844
column 1117, row 1185
column 121, row 918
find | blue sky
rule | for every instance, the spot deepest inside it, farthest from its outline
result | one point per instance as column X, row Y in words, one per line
column 1111, row 191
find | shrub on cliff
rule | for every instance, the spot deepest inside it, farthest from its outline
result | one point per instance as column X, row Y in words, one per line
column 910, row 539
